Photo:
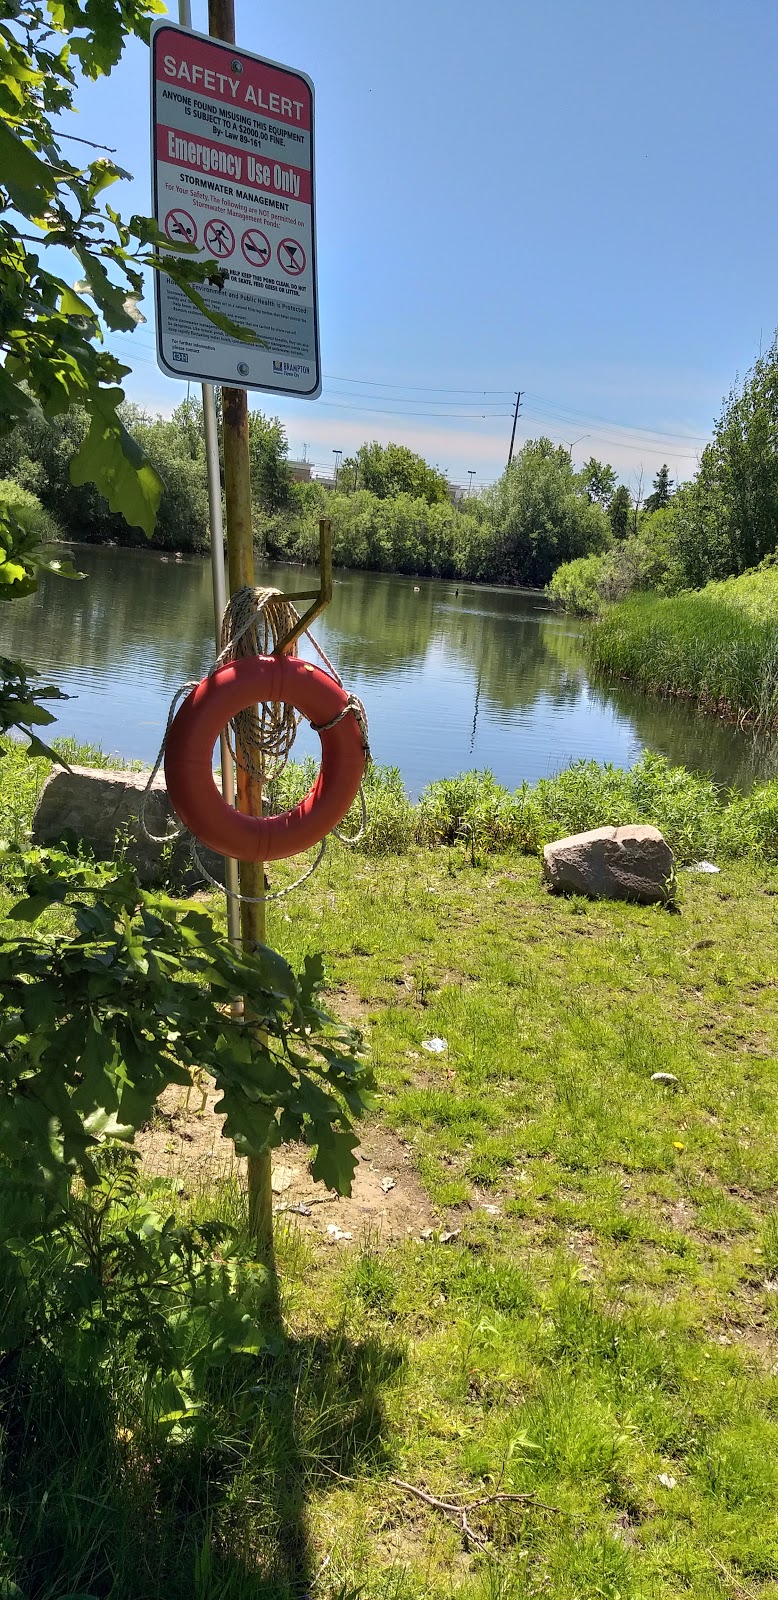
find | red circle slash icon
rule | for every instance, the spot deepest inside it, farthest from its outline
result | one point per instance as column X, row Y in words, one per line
column 180, row 227
column 218, row 237
column 291, row 257
column 255, row 247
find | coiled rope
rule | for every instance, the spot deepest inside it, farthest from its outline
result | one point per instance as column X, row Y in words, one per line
column 254, row 623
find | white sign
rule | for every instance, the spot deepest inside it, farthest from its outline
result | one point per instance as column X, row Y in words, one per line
column 232, row 174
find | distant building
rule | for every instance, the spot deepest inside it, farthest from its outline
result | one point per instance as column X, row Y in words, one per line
column 300, row 471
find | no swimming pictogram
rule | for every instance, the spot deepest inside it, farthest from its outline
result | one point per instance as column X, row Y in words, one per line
column 256, row 247
column 291, row 256
column 180, row 227
column 218, row 237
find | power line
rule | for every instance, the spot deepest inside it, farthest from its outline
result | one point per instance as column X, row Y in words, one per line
column 374, row 383
column 565, row 414
column 543, row 411
column 439, row 416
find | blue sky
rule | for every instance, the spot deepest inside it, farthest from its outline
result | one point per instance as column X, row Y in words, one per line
column 575, row 198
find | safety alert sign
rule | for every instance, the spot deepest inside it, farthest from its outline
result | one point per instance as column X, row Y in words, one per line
column 232, row 174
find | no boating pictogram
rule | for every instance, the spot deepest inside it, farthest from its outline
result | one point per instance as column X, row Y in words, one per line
column 218, row 237
column 255, row 247
column 291, row 257
column 180, row 227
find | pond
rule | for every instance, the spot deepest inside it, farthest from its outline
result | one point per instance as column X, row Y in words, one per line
column 452, row 675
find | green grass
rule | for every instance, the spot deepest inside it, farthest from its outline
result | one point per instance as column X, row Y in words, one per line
column 611, row 1322
column 717, row 646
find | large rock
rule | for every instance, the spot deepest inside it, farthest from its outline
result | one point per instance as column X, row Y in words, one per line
column 632, row 863
column 101, row 807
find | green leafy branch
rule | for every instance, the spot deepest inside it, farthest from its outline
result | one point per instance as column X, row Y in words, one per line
column 51, row 331
column 141, row 993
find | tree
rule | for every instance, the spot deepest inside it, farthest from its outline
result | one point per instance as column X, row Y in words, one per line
column 598, row 479
column 391, row 469
column 268, row 448
column 663, row 490
column 620, row 508
column 541, row 517
column 52, row 332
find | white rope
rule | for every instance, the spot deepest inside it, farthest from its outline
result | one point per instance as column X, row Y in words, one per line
column 257, row 899
column 164, row 838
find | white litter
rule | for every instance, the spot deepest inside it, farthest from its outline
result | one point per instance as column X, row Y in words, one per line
column 663, row 1077
column 703, row 866
column 335, row 1234
column 282, row 1178
column 435, row 1045
column 666, row 1481
column 491, row 1211
column 387, row 1184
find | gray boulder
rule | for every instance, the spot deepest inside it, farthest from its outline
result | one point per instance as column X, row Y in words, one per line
column 102, row 808
column 632, row 863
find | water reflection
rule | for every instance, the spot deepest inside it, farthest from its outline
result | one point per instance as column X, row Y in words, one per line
column 453, row 675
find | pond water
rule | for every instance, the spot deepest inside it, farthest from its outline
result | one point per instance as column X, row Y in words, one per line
column 452, row 675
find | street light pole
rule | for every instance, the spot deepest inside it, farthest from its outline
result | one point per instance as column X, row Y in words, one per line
column 471, row 475
column 337, row 454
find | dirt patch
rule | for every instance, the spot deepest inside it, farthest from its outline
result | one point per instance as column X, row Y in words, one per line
column 183, row 1143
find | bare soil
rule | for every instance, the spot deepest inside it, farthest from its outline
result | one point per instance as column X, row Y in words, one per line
column 183, row 1142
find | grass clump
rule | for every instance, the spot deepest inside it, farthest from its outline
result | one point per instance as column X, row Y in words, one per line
column 717, row 646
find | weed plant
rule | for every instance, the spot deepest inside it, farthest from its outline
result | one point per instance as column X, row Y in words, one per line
column 698, row 818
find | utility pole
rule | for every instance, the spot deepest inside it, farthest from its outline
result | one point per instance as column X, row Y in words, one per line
column 337, row 454
column 471, row 475
column 240, row 563
column 513, row 429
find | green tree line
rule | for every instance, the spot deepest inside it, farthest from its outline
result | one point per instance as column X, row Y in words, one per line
column 390, row 511
column 722, row 523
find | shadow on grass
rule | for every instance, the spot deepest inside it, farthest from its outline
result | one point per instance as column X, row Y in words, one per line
column 93, row 1508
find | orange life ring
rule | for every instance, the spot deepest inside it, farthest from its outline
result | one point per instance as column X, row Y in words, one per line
column 207, row 710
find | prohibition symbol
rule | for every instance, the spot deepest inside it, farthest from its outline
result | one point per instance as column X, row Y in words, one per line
column 255, row 247
column 291, row 257
column 218, row 237
column 180, row 227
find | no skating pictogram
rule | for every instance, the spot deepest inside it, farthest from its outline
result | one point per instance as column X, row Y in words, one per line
column 291, row 257
column 180, row 227
column 256, row 247
column 218, row 237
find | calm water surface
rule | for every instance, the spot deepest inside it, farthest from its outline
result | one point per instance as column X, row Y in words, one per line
column 453, row 676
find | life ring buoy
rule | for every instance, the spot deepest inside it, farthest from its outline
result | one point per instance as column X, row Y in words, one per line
column 207, row 710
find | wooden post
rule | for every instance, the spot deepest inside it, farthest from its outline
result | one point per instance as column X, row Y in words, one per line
column 240, row 561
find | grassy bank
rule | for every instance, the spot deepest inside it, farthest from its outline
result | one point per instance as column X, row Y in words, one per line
column 583, row 1350
column 717, row 646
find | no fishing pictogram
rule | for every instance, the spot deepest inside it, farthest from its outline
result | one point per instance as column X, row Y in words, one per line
column 218, row 237
column 256, row 247
column 180, row 227
column 291, row 257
